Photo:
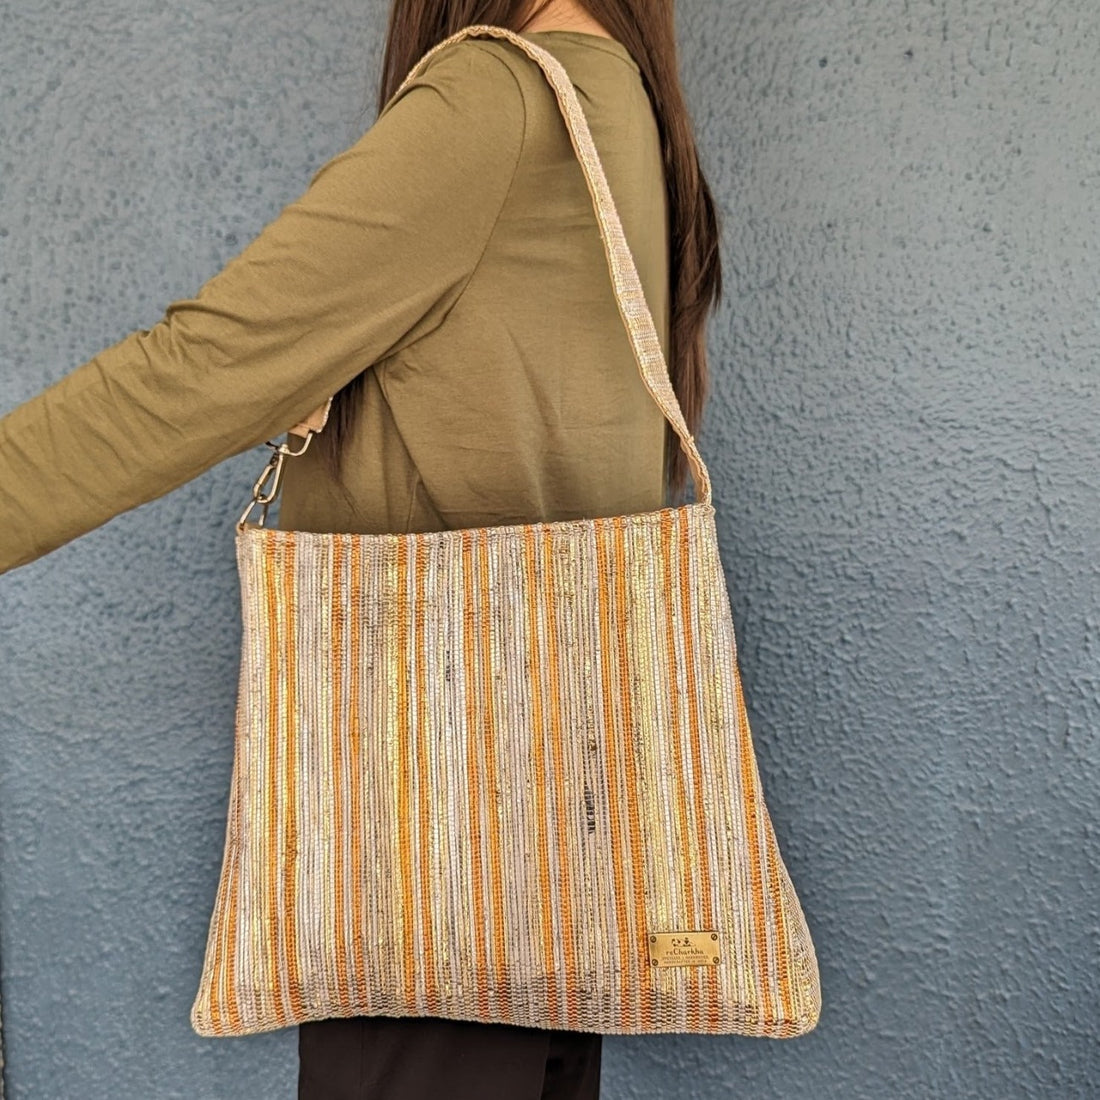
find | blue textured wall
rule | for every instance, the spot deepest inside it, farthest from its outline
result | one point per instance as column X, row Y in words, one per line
column 904, row 441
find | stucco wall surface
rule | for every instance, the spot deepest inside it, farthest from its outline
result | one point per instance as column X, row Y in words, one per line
column 903, row 437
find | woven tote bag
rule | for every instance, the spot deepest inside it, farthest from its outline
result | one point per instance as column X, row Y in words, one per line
column 502, row 774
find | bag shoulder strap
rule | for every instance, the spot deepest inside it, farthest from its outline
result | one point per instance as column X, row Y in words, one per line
column 624, row 274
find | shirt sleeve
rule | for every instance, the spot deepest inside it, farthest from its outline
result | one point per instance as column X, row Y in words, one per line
column 367, row 260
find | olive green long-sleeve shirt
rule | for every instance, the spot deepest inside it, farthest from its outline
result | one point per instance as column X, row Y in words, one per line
column 453, row 251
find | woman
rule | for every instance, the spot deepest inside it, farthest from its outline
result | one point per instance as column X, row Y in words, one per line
column 444, row 276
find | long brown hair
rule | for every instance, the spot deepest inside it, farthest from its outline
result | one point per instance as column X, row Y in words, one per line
column 646, row 29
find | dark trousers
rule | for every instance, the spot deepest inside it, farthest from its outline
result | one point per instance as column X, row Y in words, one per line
column 425, row 1058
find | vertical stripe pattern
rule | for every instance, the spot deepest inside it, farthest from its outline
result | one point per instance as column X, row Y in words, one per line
column 476, row 769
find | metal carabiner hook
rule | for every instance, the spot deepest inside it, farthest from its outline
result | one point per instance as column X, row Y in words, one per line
column 266, row 487
column 272, row 476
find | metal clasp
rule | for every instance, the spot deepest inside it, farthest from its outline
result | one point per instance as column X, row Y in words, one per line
column 267, row 484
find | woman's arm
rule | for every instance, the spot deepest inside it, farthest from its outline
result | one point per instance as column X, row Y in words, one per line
column 371, row 257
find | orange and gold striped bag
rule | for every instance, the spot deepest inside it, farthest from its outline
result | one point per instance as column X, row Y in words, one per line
column 502, row 774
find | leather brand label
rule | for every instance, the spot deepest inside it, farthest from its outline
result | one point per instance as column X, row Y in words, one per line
column 698, row 947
